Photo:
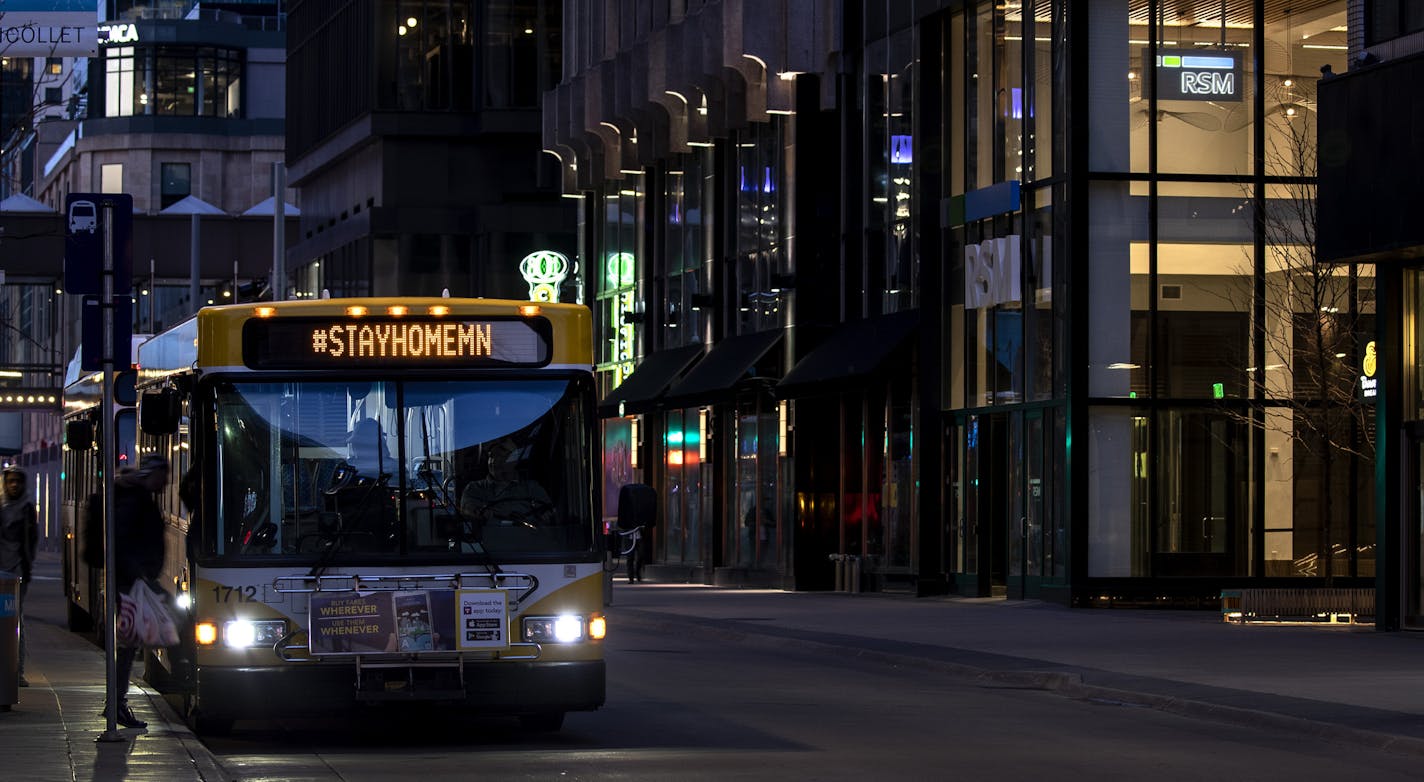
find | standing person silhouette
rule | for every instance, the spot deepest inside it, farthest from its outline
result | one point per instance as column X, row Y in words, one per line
column 19, row 541
column 138, row 553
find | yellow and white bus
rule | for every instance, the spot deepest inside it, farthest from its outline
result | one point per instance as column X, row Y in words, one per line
column 379, row 500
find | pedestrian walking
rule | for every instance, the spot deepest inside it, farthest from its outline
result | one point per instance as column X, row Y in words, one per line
column 19, row 539
column 138, row 553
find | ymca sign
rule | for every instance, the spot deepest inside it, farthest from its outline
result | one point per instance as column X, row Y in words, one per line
column 1199, row 75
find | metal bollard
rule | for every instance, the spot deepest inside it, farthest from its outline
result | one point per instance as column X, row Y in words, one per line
column 839, row 571
column 9, row 640
column 853, row 577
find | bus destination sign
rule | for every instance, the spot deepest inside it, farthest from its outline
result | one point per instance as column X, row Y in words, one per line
column 353, row 343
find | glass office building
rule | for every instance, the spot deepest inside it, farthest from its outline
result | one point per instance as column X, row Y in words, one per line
column 973, row 297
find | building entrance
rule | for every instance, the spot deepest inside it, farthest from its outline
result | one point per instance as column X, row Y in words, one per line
column 989, row 504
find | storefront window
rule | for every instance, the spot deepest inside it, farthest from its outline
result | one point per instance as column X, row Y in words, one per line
column 682, row 493
column 753, row 537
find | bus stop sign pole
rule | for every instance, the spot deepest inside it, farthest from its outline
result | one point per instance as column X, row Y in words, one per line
column 107, row 444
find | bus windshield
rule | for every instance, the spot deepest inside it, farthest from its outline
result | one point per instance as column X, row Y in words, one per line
column 403, row 468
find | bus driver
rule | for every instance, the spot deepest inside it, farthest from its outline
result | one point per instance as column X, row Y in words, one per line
column 502, row 493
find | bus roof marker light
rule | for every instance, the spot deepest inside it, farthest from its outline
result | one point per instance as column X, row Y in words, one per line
column 439, row 309
column 397, row 310
column 529, row 310
column 265, row 312
column 356, row 311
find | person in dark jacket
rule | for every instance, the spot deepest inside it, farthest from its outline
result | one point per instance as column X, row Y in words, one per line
column 19, row 540
column 138, row 552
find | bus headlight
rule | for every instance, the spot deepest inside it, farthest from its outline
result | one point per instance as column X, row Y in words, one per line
column 563, row 629
column 242, row 633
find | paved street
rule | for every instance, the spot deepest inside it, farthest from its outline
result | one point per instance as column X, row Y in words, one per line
column 747, row 684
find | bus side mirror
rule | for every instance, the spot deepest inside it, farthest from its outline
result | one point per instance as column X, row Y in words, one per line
column 637, row 506
column 158, row 411
column 79, row 435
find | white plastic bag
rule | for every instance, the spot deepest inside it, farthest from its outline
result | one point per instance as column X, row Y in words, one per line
column 144, row 619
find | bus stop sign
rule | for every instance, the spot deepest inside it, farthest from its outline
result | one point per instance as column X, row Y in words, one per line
column 91, row 333
column 84, row 231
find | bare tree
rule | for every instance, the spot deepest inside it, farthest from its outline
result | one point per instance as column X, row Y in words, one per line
column 1313, row 337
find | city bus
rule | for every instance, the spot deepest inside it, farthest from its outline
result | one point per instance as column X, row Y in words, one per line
column 378, row 501
column 81, row 476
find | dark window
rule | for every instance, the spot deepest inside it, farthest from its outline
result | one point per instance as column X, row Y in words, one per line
column 176, row 183
column 53, row 96
column 1387, row 19
column 521, row 52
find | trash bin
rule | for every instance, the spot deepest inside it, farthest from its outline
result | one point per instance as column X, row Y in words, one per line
column 9, row 640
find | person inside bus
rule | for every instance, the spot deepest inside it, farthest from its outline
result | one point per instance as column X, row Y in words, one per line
column 138, row 552
column 504, row 494
column 369, row 454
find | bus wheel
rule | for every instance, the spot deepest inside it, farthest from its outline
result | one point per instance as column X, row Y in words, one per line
column 78, row 620
column 543, row 722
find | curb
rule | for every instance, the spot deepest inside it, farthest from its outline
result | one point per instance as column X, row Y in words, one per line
column 176, row 728
column 1068, row 685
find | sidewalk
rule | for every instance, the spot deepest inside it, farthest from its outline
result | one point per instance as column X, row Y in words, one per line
column 1338, row 683
column 50, row 734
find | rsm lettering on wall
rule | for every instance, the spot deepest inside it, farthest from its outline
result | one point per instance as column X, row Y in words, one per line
column 1199, row 75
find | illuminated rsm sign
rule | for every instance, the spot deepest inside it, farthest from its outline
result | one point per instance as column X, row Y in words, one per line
column 1199, row 75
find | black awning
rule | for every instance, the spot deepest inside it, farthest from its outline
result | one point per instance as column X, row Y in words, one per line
column 849, row 355
column 641, row 390
column 715, row 377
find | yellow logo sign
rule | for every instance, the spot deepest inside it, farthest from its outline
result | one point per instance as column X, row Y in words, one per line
column 1369, row 363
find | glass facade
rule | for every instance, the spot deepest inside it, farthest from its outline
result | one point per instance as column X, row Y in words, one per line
column 1224, row 438
column 1123, row 274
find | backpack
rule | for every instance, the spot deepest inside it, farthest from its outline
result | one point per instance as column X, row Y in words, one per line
column 94, row 532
